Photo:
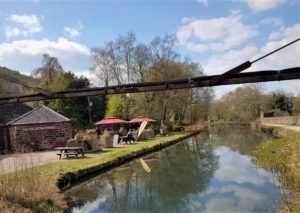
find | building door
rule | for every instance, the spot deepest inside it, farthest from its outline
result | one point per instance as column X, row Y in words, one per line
column 2, row 140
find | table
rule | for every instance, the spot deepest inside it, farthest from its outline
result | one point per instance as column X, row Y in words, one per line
column 69, row 151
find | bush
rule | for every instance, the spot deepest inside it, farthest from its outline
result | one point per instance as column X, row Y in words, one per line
column 29, row 190
column 169, row 125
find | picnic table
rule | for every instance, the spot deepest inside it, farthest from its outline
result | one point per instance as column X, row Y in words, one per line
column 70, row 151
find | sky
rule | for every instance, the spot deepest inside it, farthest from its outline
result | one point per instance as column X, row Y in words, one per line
column 218, row 34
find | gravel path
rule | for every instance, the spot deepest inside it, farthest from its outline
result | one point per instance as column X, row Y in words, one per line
column 14, row 162
column 295, row 128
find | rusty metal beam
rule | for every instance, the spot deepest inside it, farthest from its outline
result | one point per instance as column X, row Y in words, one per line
column 246, row 65
column 203, row 81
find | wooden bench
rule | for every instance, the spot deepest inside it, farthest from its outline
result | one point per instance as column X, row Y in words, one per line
column 75, row 153
column 59, row 154
column 70, row 151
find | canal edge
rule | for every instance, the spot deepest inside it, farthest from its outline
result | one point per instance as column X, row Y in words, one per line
column 67, row 180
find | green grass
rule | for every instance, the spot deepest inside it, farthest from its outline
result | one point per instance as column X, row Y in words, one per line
column 76, row 166
column 281, row 156
column 66, row 169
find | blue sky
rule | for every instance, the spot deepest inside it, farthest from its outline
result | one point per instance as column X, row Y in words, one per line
column 217, row 34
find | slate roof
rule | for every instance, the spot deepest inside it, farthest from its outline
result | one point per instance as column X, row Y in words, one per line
column 39, row 115
column 9, row 112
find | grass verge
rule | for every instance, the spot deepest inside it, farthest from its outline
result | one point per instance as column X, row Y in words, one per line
column 282, row 157
column 37, row 189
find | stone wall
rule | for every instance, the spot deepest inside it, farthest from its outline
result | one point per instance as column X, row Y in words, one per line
column 26, row 138
column 284, row 120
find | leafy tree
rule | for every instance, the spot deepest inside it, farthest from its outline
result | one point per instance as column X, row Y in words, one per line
column 76, row 108
column 281, row 101
column 242, row 104
column 117, row 106
column 296, row 105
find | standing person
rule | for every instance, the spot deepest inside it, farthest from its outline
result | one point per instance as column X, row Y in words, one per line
column 122, row 133
column 98, row 131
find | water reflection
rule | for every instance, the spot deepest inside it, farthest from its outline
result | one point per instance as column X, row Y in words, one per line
column 212, row 174
column 240, row 139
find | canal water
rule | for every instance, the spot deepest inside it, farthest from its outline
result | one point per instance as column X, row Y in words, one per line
column 212, row 172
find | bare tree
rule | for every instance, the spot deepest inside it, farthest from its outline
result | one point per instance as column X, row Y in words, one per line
column 141, row 62
column 50, row 70
column 126, row 46
column 113, row 50
column 101, row 68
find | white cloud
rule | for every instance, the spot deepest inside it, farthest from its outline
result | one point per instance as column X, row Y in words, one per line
column 286, row 58
column 262, row 5
column 220, row 63
column 186, row 19
column 196, row 47
column 215, row 34
column 26, row 25
column 74, row 31
column 26, row 55
column 292, row 32
column 205, row 2
column 243, row 199
column 238, row 169
column 276, row 21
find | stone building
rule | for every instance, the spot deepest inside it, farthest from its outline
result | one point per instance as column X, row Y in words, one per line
column 39, row 129
column 8, row 113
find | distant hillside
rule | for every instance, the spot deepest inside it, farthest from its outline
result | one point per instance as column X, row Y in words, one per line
column 8, row 88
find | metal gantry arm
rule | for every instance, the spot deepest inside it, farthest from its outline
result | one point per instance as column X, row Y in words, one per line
column 246, row 65
column 233, row 76
column 202, row 81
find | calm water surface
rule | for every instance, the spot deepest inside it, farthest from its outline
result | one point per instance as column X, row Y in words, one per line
column 212, row 172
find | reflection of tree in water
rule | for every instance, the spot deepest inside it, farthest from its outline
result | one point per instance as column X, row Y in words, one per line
column 240, row 139
column 181, row 170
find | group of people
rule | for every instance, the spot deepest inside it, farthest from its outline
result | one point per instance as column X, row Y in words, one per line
column 125, row 136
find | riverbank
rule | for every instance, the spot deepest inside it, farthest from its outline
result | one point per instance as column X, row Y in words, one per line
column 37, row 189
column 282, row 157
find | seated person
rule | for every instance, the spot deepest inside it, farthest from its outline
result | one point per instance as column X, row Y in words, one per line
column 129, row 138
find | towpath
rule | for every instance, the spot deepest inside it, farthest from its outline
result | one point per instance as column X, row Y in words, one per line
column 295, row 128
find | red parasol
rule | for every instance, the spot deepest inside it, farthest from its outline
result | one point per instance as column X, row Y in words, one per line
column 110, row 120
column 140, row 119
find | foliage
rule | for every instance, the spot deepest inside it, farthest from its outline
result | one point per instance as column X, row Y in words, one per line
column 296, row 105
column 280, row 101
column 282, row 157
column 75, row 109
column 8, row 88
column 242, row 104
column 117, row 106
column 124, row 60
column 169, row 125
column 16, row 75
column 28, row 190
